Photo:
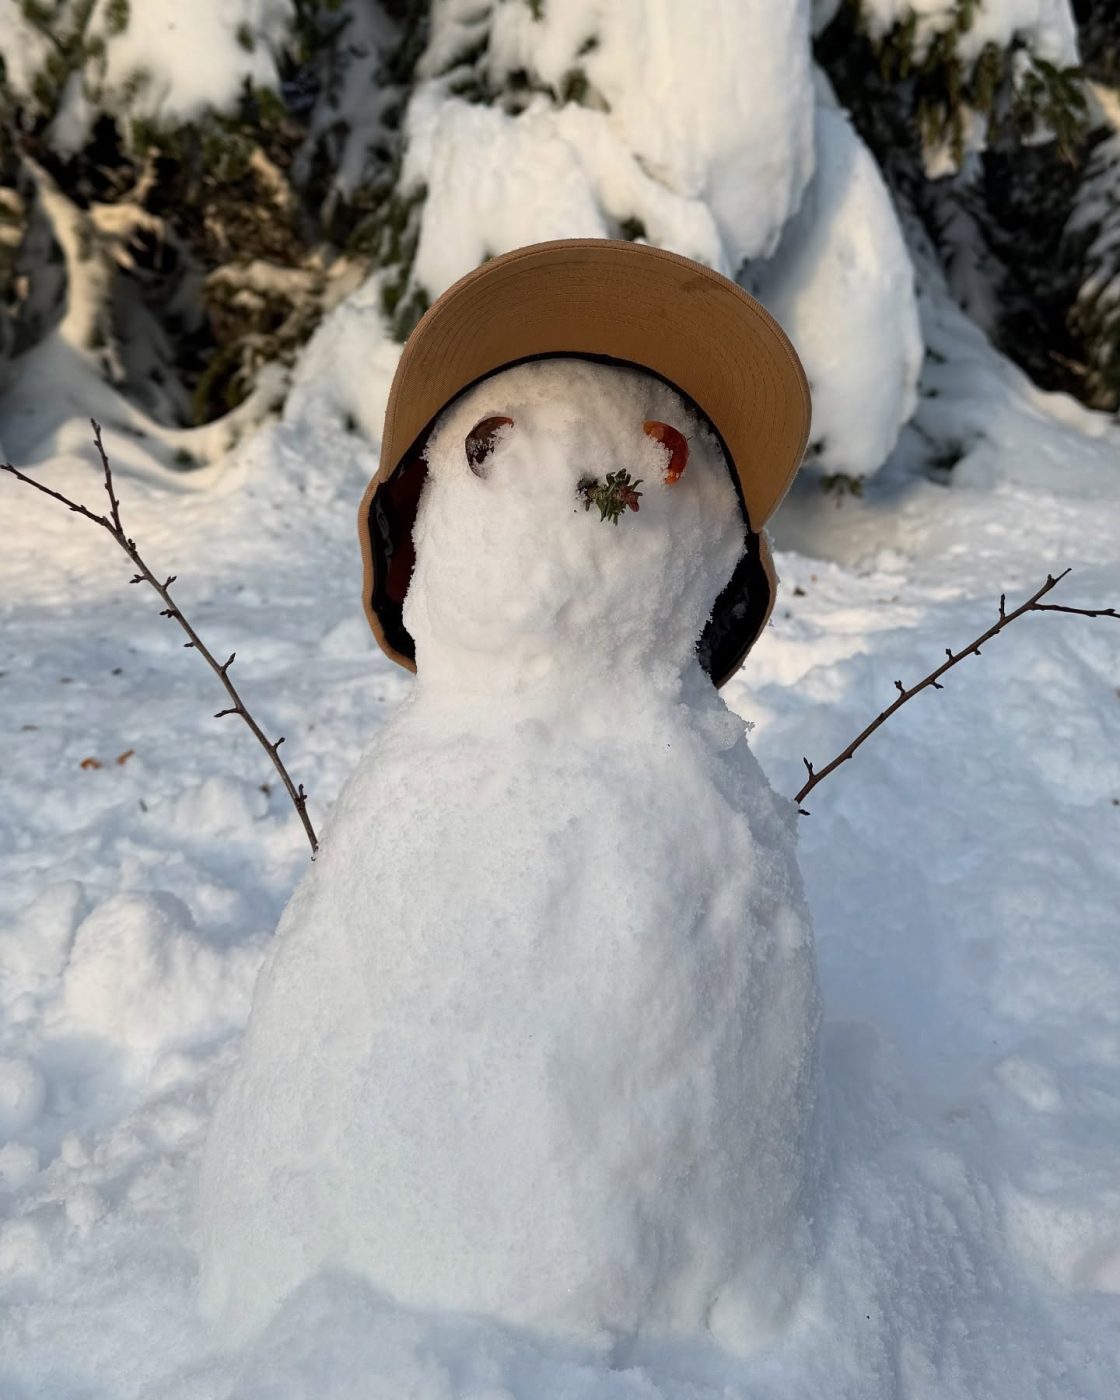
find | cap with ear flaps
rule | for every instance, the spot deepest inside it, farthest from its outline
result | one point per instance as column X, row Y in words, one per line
column 616, row 302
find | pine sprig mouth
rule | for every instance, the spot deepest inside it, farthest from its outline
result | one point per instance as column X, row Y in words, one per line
column 617, row 494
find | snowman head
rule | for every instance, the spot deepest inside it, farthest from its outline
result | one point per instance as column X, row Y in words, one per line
column 523, row 570
column 716, row 369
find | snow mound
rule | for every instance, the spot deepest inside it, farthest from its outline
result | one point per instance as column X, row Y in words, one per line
column 34, row 946
column 535, row 1040
column 842, row 286
column 139, row 975
column 477, row 163
column 23, row 1092
column 706, row 159
column 721, row 133
column 758, row 179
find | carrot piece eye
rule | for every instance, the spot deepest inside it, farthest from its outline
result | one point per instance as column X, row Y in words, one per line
column 480, row 441
column 675, row 441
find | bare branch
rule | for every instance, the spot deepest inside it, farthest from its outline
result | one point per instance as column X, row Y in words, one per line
column 1079, row 612
column 932, row 680
column 112, row 523
column 114, row 504
column 70, row 505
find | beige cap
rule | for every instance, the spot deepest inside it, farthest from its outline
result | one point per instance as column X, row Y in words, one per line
column 615, row 301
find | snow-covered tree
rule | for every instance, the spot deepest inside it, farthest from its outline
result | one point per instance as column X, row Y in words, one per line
column 195, row 167
column 185, row 191
column 976, row 110
column 1092, row 234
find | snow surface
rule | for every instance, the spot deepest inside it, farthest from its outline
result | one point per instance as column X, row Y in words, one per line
column 962, row 874
column 535, row 1040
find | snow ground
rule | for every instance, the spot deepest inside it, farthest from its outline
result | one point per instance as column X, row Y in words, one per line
column 964, row 874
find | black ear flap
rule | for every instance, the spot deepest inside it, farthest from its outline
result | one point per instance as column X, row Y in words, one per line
column 740, row 613
column 392, row 514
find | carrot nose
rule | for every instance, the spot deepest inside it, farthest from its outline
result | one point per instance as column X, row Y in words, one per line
column 675, row 441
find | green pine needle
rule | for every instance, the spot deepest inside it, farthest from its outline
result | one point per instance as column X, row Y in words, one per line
column 618, row 493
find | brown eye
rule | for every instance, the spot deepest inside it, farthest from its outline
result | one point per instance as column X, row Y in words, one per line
column 480, row 441
column 675, row 441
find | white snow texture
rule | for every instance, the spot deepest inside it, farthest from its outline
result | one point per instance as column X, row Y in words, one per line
column 536, row 1036
column 841, row 285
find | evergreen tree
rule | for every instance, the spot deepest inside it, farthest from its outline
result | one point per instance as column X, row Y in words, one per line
column 212, row 244
column 985, row 144
column 1091, row 242
column 191, row 251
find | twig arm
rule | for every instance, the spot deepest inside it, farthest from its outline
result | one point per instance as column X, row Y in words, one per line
column 933, row 679
column 56, row 495
column 113, row 524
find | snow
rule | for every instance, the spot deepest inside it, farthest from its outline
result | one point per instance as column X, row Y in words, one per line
column 1047, row 26
column 567, row 1082
column 1023, row 31
column 711, row 160
column 706, row 129
column 25, row 48
column 137, row 973
column 961, row 872
column 192, row 56
column 351, row 121
column 173, row 61
column 345, row 370
column 718, row 163
column 478, row 162
column 842, row 285
column 554, row 637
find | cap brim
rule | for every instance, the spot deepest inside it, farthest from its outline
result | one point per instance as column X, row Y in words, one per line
column 599, row 296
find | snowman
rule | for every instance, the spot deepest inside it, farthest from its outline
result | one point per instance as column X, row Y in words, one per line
column 535, row 1040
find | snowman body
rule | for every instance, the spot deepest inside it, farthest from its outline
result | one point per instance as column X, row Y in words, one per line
column 536, row 1036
